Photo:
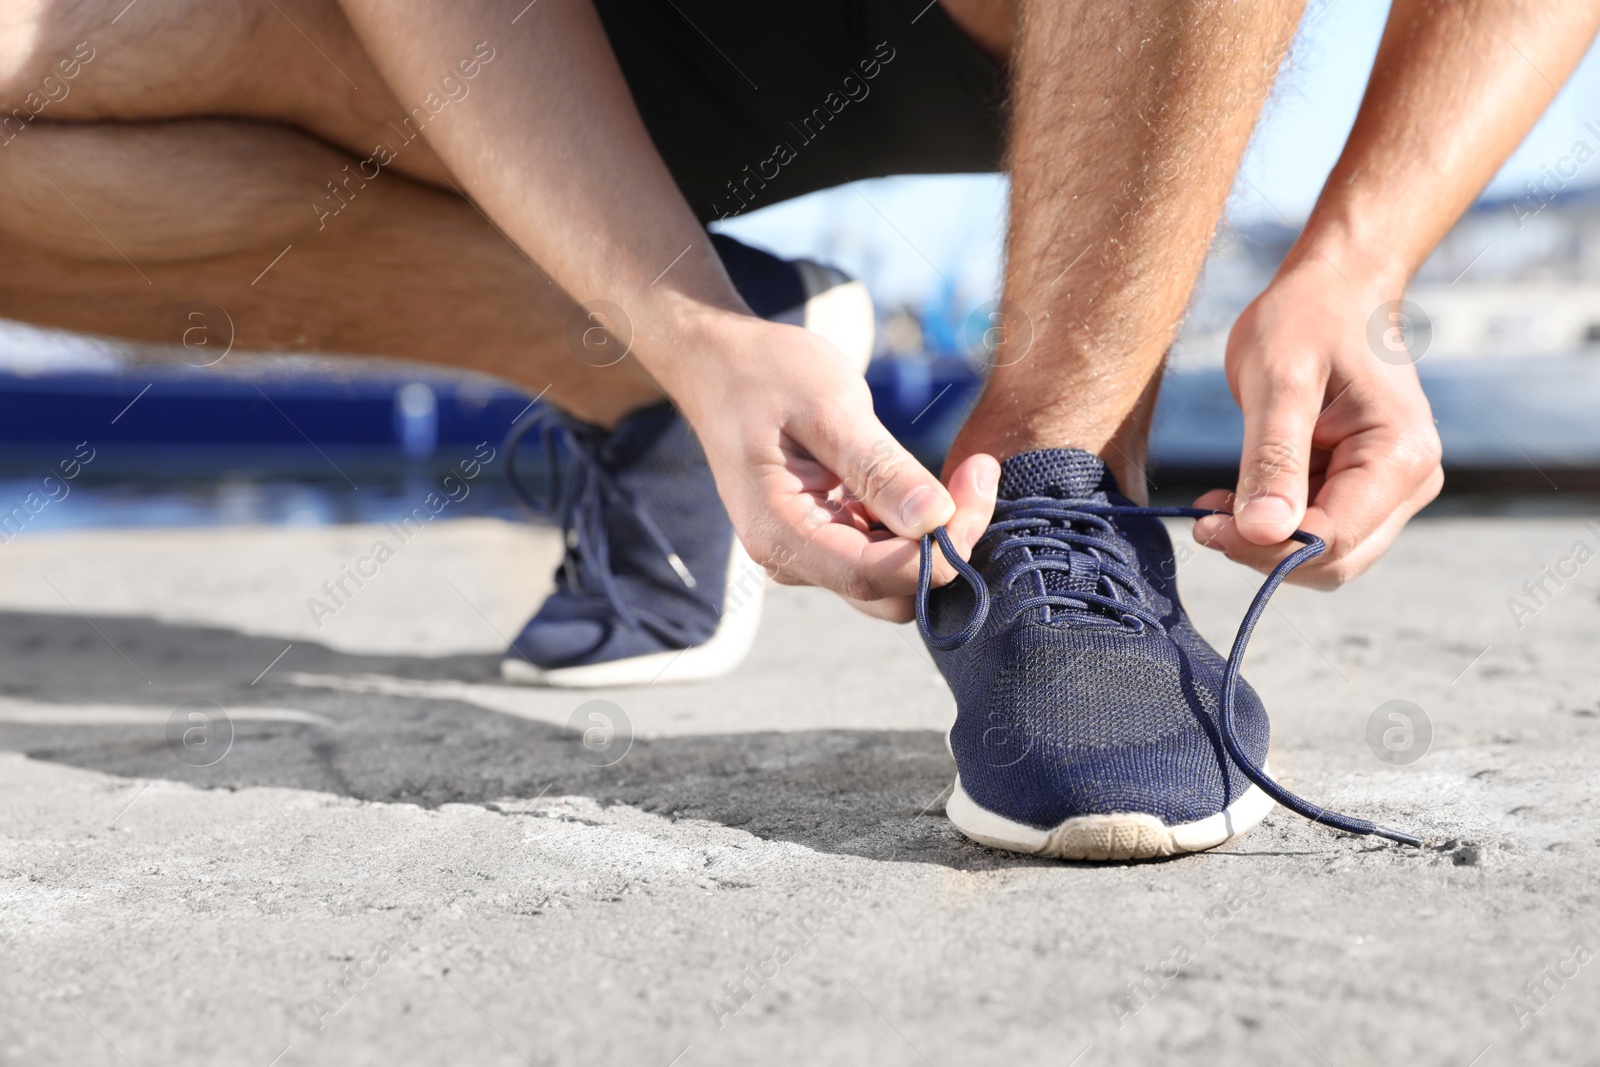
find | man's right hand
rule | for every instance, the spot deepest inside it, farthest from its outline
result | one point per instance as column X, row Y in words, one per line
column 819, row 492
column 800, row 461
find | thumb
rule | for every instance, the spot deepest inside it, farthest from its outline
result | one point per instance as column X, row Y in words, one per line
column 973, row 485
column 897, row 490
column 1270, row 501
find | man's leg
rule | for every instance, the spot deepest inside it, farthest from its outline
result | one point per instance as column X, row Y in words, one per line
column 308, row 243
column 1092, row 721
column 295, row 62
column 114, row 229
column 1128, row 127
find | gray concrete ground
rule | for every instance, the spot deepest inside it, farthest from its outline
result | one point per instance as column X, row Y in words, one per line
column 400, row 860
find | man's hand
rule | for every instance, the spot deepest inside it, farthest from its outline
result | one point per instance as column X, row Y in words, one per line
column 818, row 490
column 1326, row 421
column 1325, row 418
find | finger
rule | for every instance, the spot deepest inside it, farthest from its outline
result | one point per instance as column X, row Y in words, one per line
column 973, row 485
column 1221, row 534
column 1280, row 412
column 860, row 567
column 857, row 566
column 801, row 542
column 1357, row 558
column 896, row 489
column 1374, row 485
column 897, row 609
column 1208, row 531
column 1371, row 489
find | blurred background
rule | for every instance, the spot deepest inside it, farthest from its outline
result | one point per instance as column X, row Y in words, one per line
column 1508, row 328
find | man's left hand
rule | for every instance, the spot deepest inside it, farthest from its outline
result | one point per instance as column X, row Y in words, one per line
column 1327, row 421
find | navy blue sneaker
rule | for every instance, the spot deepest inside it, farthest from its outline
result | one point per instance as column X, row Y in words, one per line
column 1093, row 722
column 654, row 586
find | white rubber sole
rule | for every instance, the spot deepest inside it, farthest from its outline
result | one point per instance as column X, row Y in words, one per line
column 743, row 592
column 1113, row 837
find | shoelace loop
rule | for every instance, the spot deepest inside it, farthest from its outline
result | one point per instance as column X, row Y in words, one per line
column 1071, row 512
column 577, row 503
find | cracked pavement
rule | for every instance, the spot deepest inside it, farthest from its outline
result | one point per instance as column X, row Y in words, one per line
column 396, row 857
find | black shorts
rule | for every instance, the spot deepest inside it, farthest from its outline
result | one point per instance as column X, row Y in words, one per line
column 755, row 101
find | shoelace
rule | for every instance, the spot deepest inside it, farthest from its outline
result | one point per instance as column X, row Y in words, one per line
column 1081, row 523
column 577, row 503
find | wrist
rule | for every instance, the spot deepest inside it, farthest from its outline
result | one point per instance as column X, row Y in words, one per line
column 690, row 341
column 1352, row 254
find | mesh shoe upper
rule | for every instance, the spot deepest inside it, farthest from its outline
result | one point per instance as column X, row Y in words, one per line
column 1087, row 690
column 648, row 544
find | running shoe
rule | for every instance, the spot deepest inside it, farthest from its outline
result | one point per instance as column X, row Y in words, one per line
column 1093, row 722
column 654, row 586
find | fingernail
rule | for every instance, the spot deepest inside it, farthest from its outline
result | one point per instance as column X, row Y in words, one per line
column 1273, row 512
column 988, row 479
column 923, row 509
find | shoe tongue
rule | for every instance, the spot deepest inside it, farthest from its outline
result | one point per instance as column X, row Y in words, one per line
column 1063, row 473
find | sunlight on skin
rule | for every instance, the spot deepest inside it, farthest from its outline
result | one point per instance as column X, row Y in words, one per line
column 18, row 46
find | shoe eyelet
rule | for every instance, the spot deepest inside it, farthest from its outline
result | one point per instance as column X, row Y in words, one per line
column 1134, row 624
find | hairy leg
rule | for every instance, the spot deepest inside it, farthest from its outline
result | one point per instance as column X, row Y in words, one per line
column 1125, row 137
column 295, row 62
column 146, row 217
column 116, row 228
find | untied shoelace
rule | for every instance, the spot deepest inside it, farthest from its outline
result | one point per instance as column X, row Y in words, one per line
column 1084, row 525
column 577, row 502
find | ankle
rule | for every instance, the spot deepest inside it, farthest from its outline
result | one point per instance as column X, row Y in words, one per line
column 1110, row 417
column 1124, row 453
